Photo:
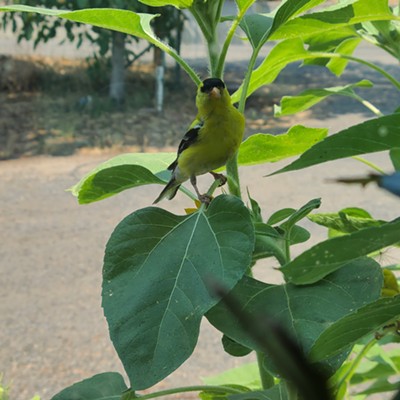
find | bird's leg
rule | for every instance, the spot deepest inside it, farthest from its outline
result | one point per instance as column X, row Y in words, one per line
column 204, row 198
column 222, row 178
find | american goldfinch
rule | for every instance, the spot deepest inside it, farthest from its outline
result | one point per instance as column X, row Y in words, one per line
column 212, row 139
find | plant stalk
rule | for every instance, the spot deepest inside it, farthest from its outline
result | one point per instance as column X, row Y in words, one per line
column 185, row 66
column 394, row 81
column 229, row 37
column 369, row 163
column 356, row 362
column 232, row 165
column 195, row 388
column 368, row 105
column 267, row 380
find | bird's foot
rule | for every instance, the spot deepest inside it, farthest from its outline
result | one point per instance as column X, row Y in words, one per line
column 205, row 198
column 222, row 178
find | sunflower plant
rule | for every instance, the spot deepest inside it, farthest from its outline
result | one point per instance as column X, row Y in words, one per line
column 163, row 273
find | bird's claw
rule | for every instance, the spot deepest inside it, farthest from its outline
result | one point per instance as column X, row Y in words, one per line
column 222, row 178
column 205, row 198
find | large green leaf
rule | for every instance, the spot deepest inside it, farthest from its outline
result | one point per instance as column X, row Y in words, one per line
column 175, row 3
column 305, row 100
column 294, row 31
column 303, row 311
column 156, row 269
column 261, row 148
column 352, row 327
column 129, row 22
column 106, row 386
column 333, row 18
column 328, row 256
column 290, row 9
column 375, row 135
column 120, row 173
column 258, row 27
column 395, row 158
column 343, row 40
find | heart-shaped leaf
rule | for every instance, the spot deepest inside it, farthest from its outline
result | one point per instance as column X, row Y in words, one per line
column 106, row 386
column 303, row 311
column 156, row 270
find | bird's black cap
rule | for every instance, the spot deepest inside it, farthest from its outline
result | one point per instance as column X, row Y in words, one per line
column 210, row 83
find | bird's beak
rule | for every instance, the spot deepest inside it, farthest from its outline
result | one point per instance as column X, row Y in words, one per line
column 215, row 93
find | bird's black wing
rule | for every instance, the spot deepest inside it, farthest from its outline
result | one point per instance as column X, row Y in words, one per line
column 191, row 137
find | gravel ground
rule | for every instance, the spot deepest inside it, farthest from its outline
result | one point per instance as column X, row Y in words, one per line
column 53, row 331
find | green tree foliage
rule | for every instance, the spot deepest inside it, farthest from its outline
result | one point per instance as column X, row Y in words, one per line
column 41, row 28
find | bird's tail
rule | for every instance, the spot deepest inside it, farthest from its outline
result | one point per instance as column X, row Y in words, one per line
column 169, row 191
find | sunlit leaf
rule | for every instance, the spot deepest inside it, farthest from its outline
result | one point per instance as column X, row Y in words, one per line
column 120, row 173
column 129, row 22
column 261, row 148
column 308, row 98
column 347, row 47
column 333, row 18
column 375, row 135
column 175, row 3
column 157, row 269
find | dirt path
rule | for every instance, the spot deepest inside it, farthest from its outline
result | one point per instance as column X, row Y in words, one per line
column 53, row 331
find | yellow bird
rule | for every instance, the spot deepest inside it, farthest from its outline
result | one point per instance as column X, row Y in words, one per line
column 212, row 139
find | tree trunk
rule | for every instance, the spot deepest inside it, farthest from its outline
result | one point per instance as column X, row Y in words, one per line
column 159, row 62
column 117, row 83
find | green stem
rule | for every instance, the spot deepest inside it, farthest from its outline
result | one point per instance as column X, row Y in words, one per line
column 287, row 246
column 394, row 81
column 369, row 163
column 232, row 165
column 201, row 23
column 246, row 82
column 213, row 51
column 229, row 37
column 291, row 391
column 368, row 105
column 267, row 380
column 232, row 172
column 185, row 66
column 195, row 388
column 356, row 362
